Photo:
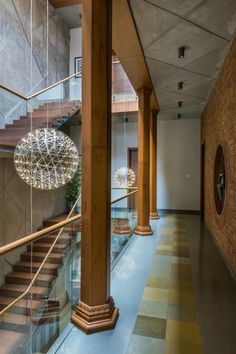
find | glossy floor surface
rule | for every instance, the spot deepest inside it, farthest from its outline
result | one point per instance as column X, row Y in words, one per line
column 175, row 295
column 167, row 322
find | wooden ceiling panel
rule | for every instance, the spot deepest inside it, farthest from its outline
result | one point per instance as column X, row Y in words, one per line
column 63, row 3
column 127, row 47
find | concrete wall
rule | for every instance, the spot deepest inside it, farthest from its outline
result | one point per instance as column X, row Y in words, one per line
column 178, row 152
column 15, row 210
column 219, row 127
column 15, row 49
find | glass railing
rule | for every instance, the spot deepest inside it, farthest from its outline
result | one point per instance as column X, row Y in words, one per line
column 52, row 106
column 123, row 222
column 38, row 294
column 42, row 286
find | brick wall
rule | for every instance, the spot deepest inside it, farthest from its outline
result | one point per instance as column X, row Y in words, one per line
column 219, row 127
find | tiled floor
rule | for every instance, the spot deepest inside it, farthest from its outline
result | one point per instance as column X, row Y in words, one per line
column 165, row 286
column 167, row 322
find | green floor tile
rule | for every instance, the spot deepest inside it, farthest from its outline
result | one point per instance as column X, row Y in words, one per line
column 154, row 308
column 146, row 345
column 150, row 327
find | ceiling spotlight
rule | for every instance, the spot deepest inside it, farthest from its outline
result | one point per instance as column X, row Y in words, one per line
column 181, row 52
column 179, row 115
column 180, row 103
column 180, row 85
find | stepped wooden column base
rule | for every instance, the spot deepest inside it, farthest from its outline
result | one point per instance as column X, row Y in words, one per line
column 143, row 230
column 91, row 319
column 154, row 215
column 122, row 227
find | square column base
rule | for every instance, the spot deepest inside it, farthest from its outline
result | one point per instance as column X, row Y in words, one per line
column 143, row 230
column 92, row 319
column 154, row 215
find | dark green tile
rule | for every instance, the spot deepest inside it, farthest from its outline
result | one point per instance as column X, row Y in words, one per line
column 150, row 327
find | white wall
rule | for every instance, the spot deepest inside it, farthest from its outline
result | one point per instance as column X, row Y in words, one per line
column 120, row 152
column 75, row 51
column 75, row 46
column 178, row 168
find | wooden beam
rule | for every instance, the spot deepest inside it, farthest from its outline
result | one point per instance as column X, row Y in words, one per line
column 63, row 3
column 127, row 47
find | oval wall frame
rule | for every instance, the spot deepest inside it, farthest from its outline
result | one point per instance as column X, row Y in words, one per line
column 219, row 179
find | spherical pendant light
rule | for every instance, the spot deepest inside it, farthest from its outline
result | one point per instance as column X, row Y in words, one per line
column 124, row 177
column 46, row 159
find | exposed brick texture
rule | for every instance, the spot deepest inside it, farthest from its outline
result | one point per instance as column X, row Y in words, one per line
column 219, row 127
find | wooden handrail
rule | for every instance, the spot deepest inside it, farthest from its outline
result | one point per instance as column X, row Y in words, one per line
column 26, row 240
column 53, row 85
column 26, row 98
column 123, row 197
column 38, row 234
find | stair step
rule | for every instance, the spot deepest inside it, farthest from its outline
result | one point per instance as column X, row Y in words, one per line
column 44, row 247
column 48, row 268
column 22, row 306
column 25, row 278
column 40, row 256
column 9, row 346
column 15, row 319
column 15, row 290
column 64, row 238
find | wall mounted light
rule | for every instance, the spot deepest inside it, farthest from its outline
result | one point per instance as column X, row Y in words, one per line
column 181, row 52
column 180, row 85
column 180, row 103
column 179, row 115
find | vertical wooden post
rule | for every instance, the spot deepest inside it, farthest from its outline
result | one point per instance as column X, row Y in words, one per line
column 143, row 228
column 153, row 165
column 96, row 310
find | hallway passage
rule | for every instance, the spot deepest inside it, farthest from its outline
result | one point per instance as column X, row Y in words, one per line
column 174, row 292
column 188, row 304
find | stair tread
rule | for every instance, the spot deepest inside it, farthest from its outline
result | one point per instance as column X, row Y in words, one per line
column 24, row 275
column 48, row 245
column 15, row 318
column 7, row 346
column 38, row 264
column 6, row 300
column 43, row 254
column 22, row 288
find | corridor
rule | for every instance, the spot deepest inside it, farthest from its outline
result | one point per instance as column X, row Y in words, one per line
column 180, row 312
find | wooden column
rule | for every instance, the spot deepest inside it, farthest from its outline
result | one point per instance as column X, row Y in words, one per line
column 143, row 228
column 153, row 165
column 96, row 310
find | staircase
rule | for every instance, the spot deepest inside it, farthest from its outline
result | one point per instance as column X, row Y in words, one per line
column 55, row 113
column 16, row 323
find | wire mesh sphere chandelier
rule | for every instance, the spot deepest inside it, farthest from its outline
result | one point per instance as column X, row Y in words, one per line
column 46, row 159
column 124, row 177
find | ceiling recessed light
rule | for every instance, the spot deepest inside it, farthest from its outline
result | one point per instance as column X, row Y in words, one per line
column 180, row 85
column 181, row 52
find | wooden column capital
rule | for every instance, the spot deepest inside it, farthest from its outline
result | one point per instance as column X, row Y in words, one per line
column 143, row 228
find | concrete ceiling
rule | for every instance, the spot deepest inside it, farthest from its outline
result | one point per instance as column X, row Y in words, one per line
column 72, row 15
column 205, row 28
